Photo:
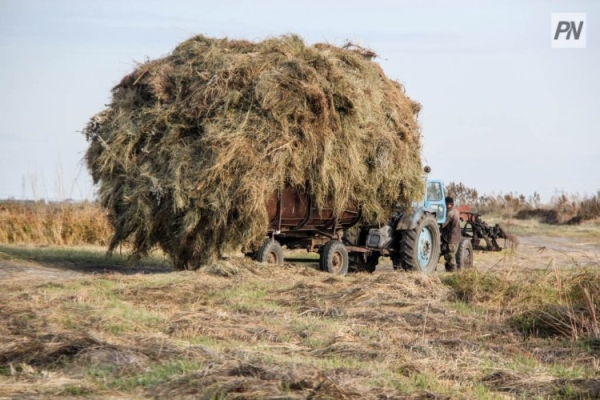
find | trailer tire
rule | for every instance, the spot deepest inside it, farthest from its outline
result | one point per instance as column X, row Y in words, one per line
column 420, row 247
column 464, row 254
column 334, row 258
column 270, row 252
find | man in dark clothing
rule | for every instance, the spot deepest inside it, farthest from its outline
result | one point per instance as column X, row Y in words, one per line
column 451, row 235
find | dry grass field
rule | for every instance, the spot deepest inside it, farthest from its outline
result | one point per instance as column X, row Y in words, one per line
column 521, row 324
column 64, row 224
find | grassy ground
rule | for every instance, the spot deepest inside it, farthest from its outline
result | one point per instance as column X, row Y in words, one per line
column 236, row 329
column 529, row 227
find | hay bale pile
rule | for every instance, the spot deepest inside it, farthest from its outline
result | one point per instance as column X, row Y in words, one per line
column 193, row 144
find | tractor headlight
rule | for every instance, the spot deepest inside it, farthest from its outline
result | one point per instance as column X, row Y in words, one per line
column 440, row 210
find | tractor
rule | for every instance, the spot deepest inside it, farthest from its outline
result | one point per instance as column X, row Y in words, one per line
column 411, row 238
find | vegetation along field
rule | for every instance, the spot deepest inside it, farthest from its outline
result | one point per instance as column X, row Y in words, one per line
column 523, row 323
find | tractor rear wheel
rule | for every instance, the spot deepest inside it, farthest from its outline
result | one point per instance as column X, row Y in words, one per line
column 420, row 247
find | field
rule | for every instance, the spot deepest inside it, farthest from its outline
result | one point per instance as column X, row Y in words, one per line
column 522, row 324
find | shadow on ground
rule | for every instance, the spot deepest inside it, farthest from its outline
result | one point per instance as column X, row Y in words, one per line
column 79, row 260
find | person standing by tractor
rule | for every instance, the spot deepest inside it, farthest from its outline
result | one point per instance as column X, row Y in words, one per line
column 451, row 235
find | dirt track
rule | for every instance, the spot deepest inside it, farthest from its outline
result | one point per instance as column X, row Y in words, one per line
column 533, row 252
column 561, row 243
column 551, row 251
column 40, row 266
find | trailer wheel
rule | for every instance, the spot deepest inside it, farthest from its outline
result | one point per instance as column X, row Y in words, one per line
column 420, row 247
column 270, row 252
column 464, row 254
column 334, row 258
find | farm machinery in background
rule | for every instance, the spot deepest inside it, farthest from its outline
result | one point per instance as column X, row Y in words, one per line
column 477, row 230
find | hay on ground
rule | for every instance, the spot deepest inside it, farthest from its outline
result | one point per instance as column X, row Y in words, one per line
column 193, row 144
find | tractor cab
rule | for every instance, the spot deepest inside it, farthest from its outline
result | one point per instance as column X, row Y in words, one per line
column 434, row 201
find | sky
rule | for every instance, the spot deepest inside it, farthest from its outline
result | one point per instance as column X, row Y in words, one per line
column 502, row 110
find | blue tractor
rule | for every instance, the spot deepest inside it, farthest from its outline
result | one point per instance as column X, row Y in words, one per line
column 411, row 238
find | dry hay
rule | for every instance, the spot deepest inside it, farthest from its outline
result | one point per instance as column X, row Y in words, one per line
column 547, row 216
column 43, row 350
column 237, row 379
column 542, row 387
column 192, row 145
column 576, row 315
column 281, row 332
column 560, row 216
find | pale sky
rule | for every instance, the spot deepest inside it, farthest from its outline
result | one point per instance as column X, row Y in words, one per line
column 502, row 110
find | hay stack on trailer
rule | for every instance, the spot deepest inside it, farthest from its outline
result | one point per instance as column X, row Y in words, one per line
column 194, row 144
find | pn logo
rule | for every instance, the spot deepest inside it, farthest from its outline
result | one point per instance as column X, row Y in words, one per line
column 568, row 31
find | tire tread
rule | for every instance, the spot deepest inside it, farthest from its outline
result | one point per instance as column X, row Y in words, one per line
column 409, row 242
column 268, row 246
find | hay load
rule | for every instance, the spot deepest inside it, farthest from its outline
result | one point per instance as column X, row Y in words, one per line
column 192, row 145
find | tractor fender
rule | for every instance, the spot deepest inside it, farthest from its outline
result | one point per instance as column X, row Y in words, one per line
column 409, row 220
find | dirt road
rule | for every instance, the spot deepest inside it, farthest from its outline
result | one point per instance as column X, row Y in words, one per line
column 553, row 251
column 50, row 264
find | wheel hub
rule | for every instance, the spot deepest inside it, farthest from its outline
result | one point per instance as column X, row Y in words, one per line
column 424, row 250
column 337, row 261
column 272, row 258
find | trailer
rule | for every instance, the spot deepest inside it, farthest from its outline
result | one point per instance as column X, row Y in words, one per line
column 295, row 222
